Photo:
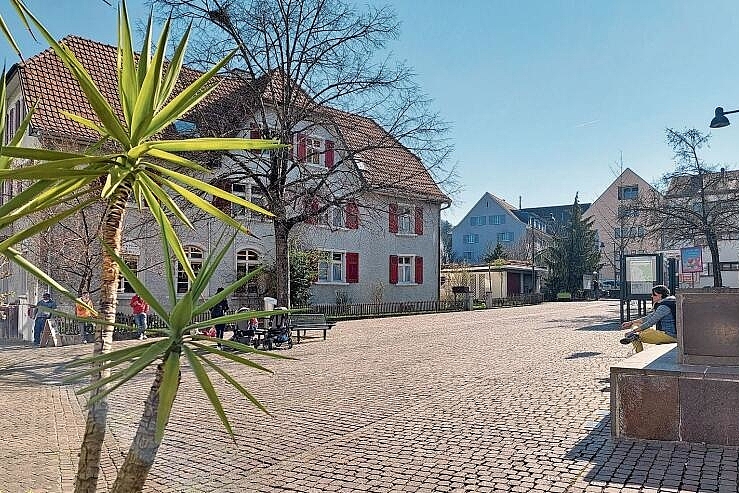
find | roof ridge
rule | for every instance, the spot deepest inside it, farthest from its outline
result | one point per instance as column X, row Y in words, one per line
column 65, row 40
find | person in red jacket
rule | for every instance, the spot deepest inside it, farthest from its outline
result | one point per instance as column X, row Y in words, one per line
column 140, row 308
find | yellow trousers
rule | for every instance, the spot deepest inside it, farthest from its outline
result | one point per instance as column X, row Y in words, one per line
column 652, row 336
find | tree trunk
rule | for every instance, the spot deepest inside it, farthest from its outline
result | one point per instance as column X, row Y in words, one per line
column 282, row 263
column 132, row 475
column 715, row 260
column 92, row 443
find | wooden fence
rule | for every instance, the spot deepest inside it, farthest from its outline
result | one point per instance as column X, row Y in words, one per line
column 368, row 310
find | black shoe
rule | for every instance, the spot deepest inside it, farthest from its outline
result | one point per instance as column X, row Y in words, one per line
column 630, row 338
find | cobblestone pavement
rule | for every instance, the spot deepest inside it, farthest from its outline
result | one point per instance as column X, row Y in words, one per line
column 513, row 399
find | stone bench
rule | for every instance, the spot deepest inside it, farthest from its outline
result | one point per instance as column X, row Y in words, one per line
column 654, row 397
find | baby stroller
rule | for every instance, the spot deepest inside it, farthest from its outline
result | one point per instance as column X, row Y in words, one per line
column 246, row 330
column 278, row 332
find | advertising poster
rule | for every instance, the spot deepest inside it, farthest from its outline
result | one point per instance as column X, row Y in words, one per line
column 691, row 259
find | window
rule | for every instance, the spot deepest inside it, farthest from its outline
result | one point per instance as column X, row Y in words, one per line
column 467, row 256
column 334, row 217
column 405, row 270
column 248, row 192
column 132, row 261
column 195, row 259
column 405, row 219
column 725, row 267
column 624, row 211
column 630, row 232
column 506, row 236
column 246, row 261
column 13, row 119
column 478, row 220
column 331, row 268
column 630, row 192
column 497, row 219
column 241, row 190
column 313, row 150
column 186, row 128
column 471, row 239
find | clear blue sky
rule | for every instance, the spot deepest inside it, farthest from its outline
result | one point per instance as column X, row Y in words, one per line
column 544, row 96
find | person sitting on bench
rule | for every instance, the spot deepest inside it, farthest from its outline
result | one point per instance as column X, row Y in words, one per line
column 663, row 317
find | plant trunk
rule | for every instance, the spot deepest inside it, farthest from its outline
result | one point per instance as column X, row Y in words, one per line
column 88, row 468
column 282, row 263
column 132, row 475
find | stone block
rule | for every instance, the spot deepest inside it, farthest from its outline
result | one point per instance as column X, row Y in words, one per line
column 709, row 409
column 656, row 398
column 708, row 326
column 649, row 406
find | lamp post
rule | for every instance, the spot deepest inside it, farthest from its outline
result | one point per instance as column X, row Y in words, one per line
column 719, row 120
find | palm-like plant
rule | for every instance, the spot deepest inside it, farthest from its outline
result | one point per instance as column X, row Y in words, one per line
column 139, row 165
column 167, row 355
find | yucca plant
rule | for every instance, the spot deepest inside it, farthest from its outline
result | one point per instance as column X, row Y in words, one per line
column 139, row 165
column 167, row 354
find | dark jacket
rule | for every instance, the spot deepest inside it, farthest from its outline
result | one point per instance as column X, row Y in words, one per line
column 219, row 310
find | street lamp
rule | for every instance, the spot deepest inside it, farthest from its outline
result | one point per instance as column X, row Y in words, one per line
column 720, row 121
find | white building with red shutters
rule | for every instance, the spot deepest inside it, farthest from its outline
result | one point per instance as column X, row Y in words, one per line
column 378, row 245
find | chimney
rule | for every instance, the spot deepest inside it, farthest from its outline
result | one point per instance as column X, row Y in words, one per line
column 519, row 201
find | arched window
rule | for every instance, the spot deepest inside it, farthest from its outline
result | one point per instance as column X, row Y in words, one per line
column 195, row 259
column 246, row 261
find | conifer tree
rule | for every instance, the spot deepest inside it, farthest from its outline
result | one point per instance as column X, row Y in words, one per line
column 573, row 252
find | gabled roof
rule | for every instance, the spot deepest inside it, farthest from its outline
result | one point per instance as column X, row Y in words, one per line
column 383, row 161
column 510, row 209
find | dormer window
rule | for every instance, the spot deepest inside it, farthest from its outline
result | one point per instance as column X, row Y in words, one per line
column 186, row 128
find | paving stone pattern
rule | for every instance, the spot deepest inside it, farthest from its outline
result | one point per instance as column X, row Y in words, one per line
column 513, row 399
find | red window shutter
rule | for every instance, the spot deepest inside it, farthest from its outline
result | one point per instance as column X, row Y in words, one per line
column 393, row 269
column 419, row 220
column 328, row 156
column 254, row 132
column 301, row 148
column 311, row 206
column 352, row 215
column 419, row 270
column 393, row 219
column 352, row 267
column 223, row 204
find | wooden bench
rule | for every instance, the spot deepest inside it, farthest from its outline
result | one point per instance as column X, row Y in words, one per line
column 309, row 321
column 564, row 296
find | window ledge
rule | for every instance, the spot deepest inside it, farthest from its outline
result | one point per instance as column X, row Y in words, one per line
column 407, row 284
column 406, row 234
column 331, row 283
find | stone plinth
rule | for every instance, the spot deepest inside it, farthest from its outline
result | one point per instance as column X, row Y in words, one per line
column 655, row 397
column 708, row 326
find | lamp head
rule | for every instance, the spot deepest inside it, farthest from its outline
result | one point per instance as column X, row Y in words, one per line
column 720, row 119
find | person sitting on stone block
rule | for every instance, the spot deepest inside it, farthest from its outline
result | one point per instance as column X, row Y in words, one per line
column 663, row 318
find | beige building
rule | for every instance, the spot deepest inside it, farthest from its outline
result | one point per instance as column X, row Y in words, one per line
column 620, row 228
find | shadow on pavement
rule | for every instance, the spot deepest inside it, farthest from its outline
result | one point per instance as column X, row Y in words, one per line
column 582, row 354
column 602, row 327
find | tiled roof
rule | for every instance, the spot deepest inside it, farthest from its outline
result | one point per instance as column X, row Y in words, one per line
column 725, row 181
column 384, row 162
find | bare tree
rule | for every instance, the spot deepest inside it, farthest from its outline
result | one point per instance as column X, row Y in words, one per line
column 308, row 68
column 699, row 205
